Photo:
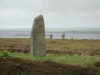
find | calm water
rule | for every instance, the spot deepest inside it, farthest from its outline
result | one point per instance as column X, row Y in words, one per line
column 56, row 35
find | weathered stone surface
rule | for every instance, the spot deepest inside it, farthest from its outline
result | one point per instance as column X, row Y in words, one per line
column 38, row 46
column 63, row 36
column 51, row 36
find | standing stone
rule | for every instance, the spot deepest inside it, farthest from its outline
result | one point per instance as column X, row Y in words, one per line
column 51, row 36
column 38, row 46
column 63, row 36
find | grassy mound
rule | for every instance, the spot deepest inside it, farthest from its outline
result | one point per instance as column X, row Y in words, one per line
column 15, row 66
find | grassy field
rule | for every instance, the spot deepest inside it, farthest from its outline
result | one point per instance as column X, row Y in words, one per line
column 88, row 47
column 81, row 57
column 82, row 60
column 77, row 64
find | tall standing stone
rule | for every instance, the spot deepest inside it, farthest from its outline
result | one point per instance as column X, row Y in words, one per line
column 51, row 36
column 63, row 36
column 38, row 46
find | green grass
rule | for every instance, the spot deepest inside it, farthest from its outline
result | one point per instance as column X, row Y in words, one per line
column 82, row 60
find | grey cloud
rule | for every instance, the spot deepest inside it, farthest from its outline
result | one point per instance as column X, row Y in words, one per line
column 51, row 5
column 70, row 5
column 57, row 13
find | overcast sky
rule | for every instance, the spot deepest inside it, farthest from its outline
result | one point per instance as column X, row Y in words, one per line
column 57, row 13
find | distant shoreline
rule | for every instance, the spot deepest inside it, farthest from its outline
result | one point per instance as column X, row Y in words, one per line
column 56, row 35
